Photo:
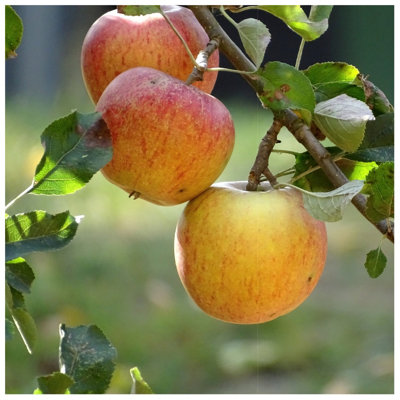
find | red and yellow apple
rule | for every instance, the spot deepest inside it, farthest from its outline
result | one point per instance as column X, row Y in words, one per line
column 170, row 140
column 249, row 257
column 117, row 42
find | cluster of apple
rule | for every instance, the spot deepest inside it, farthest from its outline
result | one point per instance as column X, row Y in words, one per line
column 244, row 257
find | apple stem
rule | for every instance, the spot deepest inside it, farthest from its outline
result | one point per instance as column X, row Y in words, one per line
column 260, row 165
column 287, row 117
column 135, row 194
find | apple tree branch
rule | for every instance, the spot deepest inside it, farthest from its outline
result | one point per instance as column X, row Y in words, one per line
column 260, row 165
column 286, row 117
column 201, row 64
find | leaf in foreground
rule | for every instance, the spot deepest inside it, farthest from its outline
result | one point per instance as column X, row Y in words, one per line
column 26, row 327
column 22, row 319
column 317, row 181
column 255, row 37
column 329, row 72
column 343, row 120
column 19, row 275
column 38, row 231
column 375, row 98
column 378, row 143
column 331, row 79
column 286, row 87
column 379, row 186
column 375, row 262
column 10, row 329
column 329, row 206
column 88, row 357
column 14, row 31
column 56, row 383
column 139, row 385
column 76, row 147
column 309, row 28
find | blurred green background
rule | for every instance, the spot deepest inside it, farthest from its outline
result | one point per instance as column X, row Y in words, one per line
column 119, row 271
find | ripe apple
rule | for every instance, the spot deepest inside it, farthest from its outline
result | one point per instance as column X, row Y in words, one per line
column 170, row 140
column 249, row 257
column 117, row 42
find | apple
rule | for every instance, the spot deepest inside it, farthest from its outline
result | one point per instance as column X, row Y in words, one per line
column 170, row 140
column 249, row 257
column 117, row 42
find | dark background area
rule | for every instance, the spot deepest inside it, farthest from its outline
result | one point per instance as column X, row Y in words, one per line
column 119, row 271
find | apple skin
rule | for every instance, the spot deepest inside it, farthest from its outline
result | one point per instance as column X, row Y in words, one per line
column 170, row 141
column 249, row 257
column 118, row 42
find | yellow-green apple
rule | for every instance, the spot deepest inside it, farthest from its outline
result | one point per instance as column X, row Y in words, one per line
column 249, row 257
column 170, row 140
column 117, row 42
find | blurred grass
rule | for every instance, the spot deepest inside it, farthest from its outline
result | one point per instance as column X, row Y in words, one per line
column 119, row 273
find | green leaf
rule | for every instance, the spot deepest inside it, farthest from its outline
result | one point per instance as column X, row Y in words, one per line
column 76, row 147
column 317, row 181
column 329, row 72
column 375, row 262
column 328, row 91
column 255, row 37
column 286, row 87
column 375, row 98
column 331, row 79
column 320, row 13
column 138, row 10
column 378, row 143
column 56, row 383
column 139, row 385
column 309, row 28
column 17, row 299
column 26, row 327
column 343, row 120
column 14, row 31
column 19, row 275
column 10, row 329
column 88, row 357
column 329, row 206
column 379, row 186
column 22, row 319
column 38, row 231
column 9, row 297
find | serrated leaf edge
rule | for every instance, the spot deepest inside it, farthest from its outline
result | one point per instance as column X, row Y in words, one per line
column 379, row 253
column 355, row 185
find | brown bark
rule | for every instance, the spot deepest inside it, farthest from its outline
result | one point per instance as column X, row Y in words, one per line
column 287, row 118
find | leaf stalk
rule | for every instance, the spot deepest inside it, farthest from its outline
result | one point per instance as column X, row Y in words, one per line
column 23, row 193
